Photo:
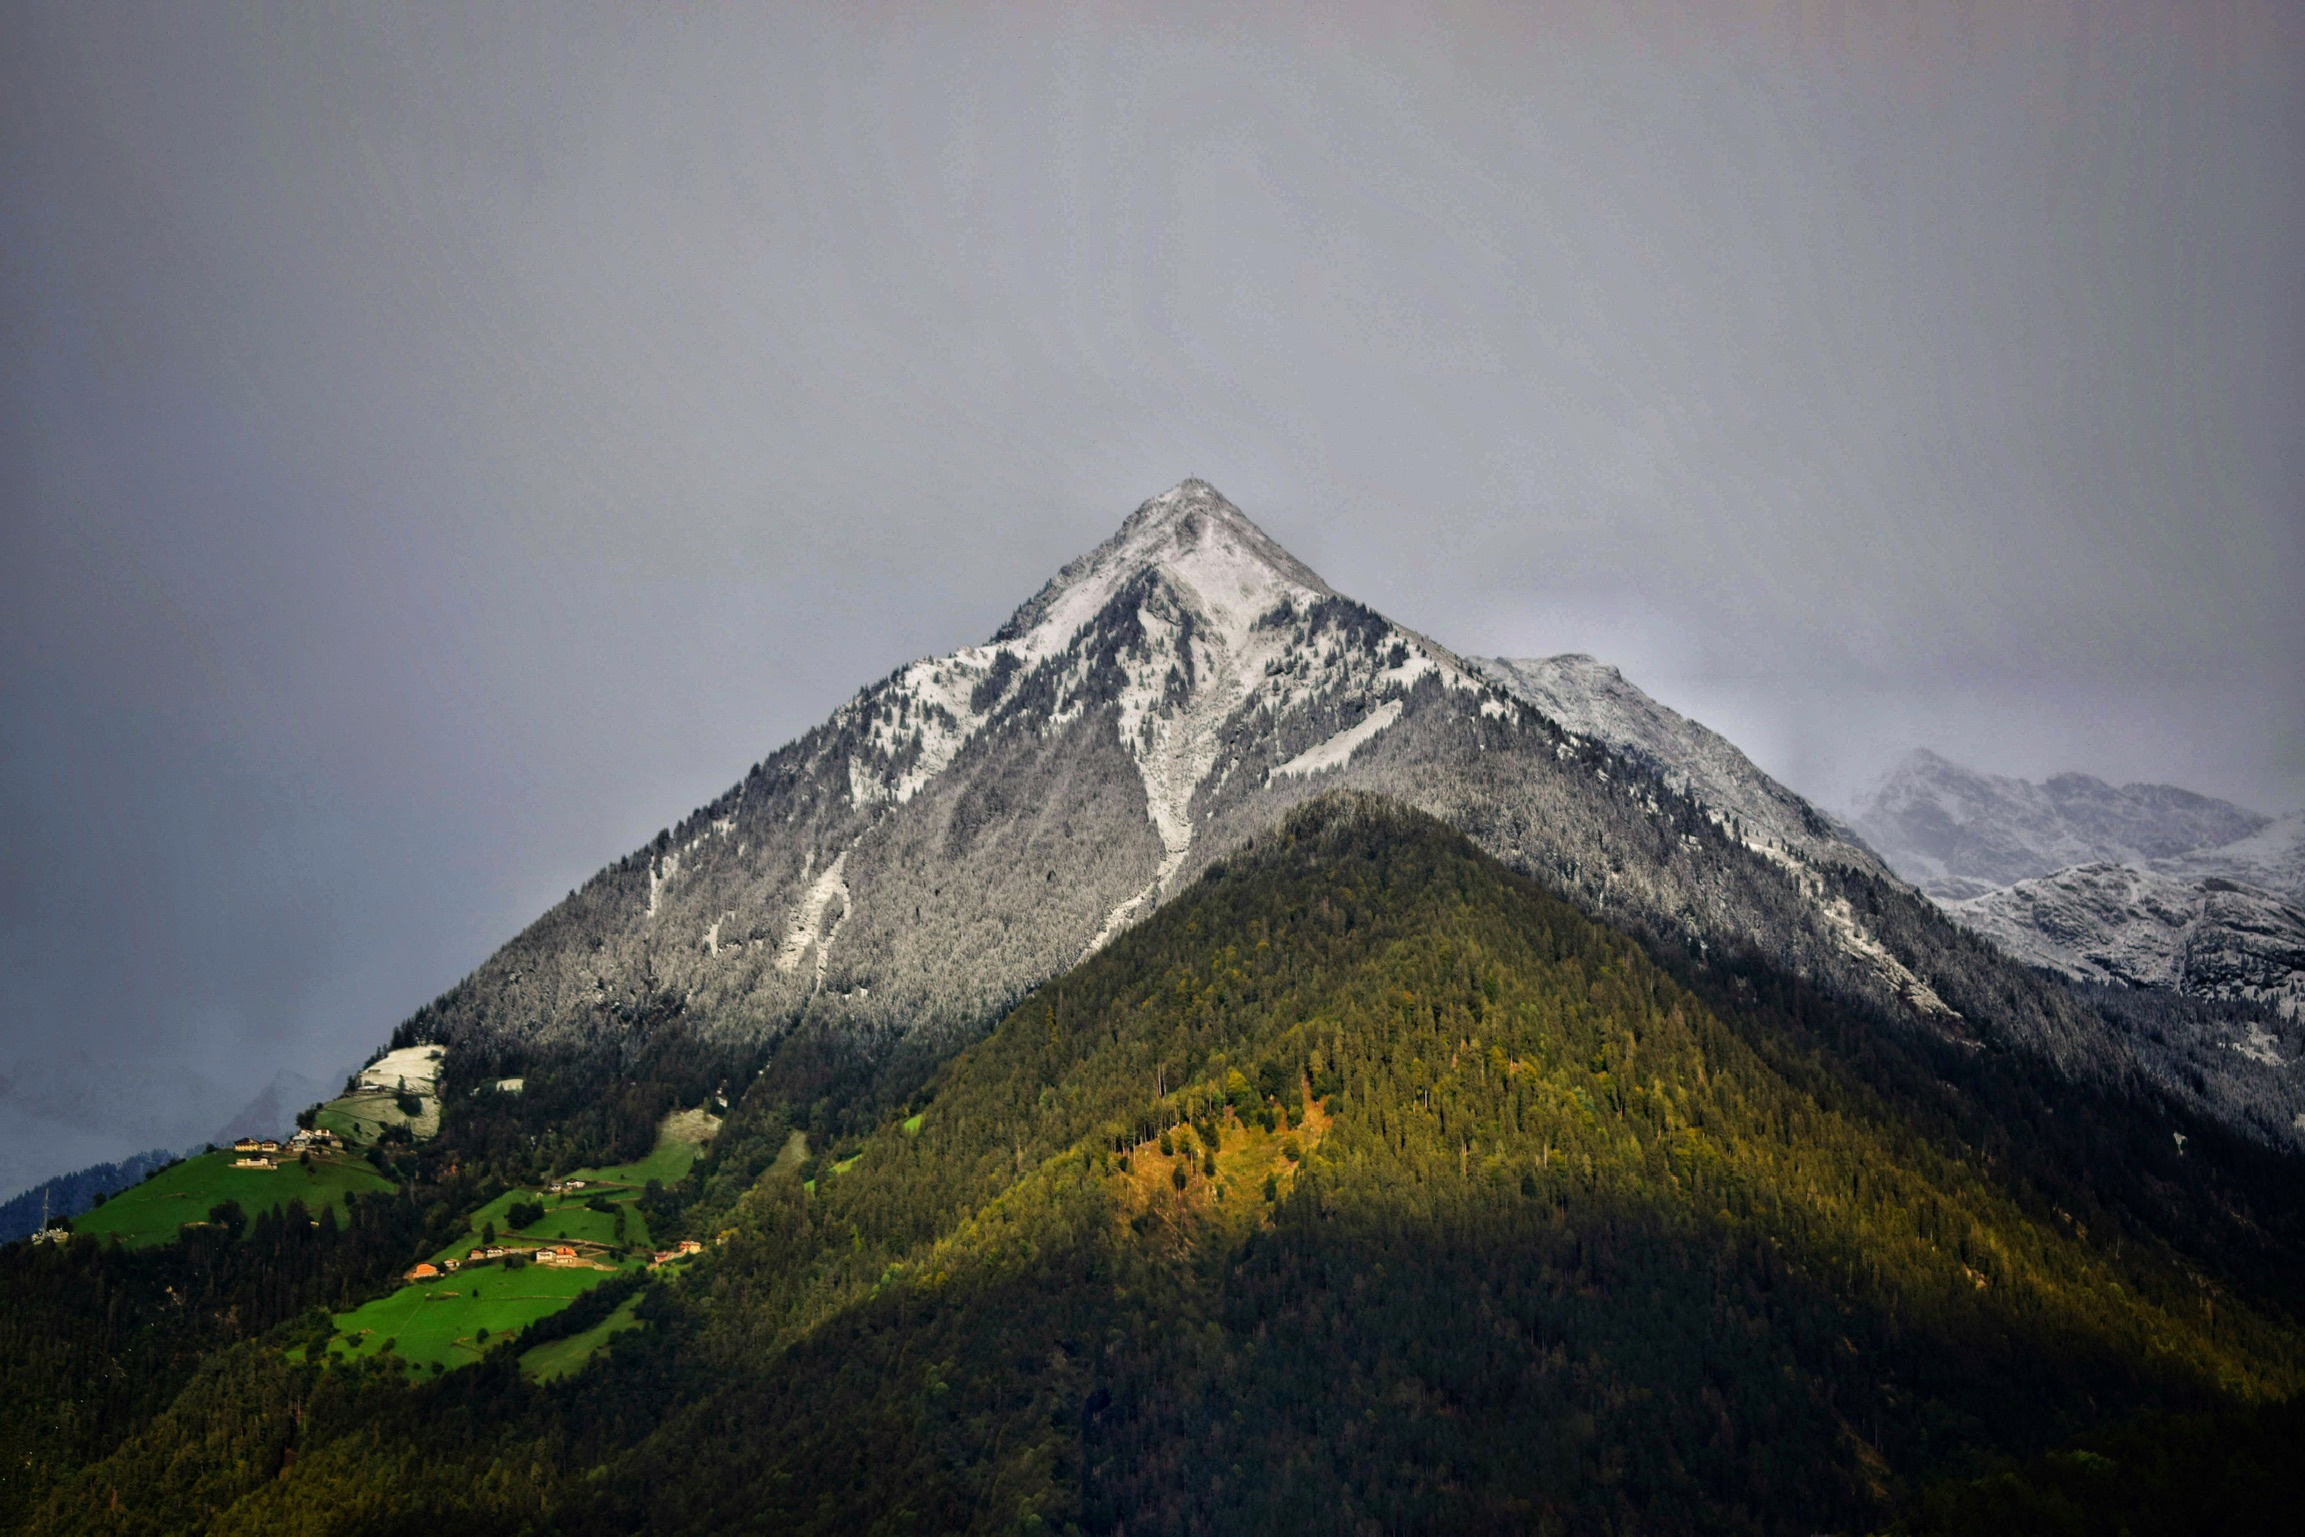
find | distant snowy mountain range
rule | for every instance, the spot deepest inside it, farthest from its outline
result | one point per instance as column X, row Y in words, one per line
column 1956, row 833
column 2143, row 885
column 2212, row 938
column 976, row 823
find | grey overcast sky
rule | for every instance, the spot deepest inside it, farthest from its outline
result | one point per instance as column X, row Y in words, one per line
column 437, row 449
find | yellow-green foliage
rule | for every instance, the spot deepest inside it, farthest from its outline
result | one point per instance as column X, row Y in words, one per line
column 1566, row 1239
column 1483, row 1036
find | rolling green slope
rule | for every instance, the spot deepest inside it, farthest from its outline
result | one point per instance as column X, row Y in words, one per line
column 452, row 1321
column 152, row 1212
column 1365, row 1187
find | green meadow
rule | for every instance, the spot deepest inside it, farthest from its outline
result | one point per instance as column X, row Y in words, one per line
column 441, row 1322
column 568, row 1217
column 565, row 1217
column 679, row 1139
column 559, row 1358
column 151, row 1213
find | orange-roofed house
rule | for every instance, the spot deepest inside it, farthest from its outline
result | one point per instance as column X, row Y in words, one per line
column 424, row 1271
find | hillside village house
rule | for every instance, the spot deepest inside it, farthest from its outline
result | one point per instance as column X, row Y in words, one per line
column 424, row 1270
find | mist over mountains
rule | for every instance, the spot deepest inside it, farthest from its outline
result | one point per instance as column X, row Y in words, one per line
column 1100, row 1053
column 2142, row 885
column 975, row 823
column 1956, row 833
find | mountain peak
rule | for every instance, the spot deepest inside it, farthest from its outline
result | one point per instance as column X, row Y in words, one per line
column 1199, row 539
column 1956, row 832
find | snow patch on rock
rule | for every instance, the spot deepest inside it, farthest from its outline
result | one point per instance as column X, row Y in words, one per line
column 807, row 927
column 1338, row 750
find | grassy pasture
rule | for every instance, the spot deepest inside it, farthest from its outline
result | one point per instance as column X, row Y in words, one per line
column 565, row 1217
column 151, row 1213
column 678, row 1143
column 440, row 1321
column 679, row 1140
column 559, row 1358
column 361, row 1119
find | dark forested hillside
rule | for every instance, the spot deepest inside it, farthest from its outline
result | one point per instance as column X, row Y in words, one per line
column 96, row 1339
column 1364, row 1187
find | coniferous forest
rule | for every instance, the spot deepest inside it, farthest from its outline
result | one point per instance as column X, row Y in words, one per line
column 1366, row 1187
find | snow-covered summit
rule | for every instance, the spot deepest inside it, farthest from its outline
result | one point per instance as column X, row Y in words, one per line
column 1187, row 619
column 1193, row 536
column 975, row 823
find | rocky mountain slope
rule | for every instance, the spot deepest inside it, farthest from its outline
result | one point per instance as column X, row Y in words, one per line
column 1956, row 833
column 2159, row 888
column 1593, row 699
column 975, row 823
column 2271, row 858
column 2212, row 938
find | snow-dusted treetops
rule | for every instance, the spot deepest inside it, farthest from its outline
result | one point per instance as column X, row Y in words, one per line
column 975, row 823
